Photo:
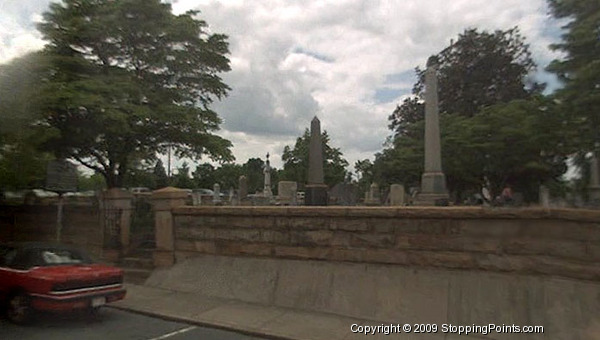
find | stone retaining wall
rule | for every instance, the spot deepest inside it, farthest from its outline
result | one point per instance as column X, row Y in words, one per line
column 557, row 242
column 81, row 225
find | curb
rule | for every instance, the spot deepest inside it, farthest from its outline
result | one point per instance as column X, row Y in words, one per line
column 204, row 324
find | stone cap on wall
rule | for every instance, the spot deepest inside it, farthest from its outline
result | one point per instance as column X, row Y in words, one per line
column 169, row 193
column 116, row 194
column 397, row 212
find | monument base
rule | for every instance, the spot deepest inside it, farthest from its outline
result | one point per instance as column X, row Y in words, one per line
column 433, row 190
column 434, row 183
column 315, row 194
column 594, row 196
column 429, row 199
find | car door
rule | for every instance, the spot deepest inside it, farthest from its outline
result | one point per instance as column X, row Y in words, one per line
column 7, row 274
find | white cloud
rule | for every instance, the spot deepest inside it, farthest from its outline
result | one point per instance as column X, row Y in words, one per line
column 293, row 60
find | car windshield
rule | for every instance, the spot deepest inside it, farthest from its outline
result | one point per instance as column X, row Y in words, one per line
column 26, row 258
column 62, row 256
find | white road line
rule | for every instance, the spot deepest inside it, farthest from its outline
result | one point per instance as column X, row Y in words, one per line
column 174, row 333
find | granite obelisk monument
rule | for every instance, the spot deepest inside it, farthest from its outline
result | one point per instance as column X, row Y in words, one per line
column 316, row 190
column 433, row 181
column 267, row 172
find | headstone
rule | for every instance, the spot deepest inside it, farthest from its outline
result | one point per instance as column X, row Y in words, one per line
column 216, row 193
column 345, row 194
column 243, row 187
column 230, row 195
column 544, row 196
column 433, row 181
column 267, row 171
column 315, row 190
column 286, row 192
column 372, row 197
column 397, row 195
column 196, row 198
column 518, row 199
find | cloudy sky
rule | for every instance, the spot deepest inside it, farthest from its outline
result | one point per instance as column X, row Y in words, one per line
column 349, row 62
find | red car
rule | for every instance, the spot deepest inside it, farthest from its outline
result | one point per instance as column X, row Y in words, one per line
column 53, row 277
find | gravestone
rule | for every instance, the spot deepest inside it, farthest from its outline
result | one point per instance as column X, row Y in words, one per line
column 216, row 193
column 397, row 195
column 242, row 187
column 286, row 192
column 544, row 196
column 315, row 190
column 433, row 180
column 372, row 195
column 345, row 194
column 196, row 198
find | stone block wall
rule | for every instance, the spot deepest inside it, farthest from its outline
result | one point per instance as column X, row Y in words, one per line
column 81, row 225
column 556, row 242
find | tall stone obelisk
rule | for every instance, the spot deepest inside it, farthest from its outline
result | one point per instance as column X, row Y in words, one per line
column 267, row 172
column 316, row 190
column 433, row 181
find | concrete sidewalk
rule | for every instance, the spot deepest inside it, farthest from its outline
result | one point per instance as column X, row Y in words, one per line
column 265, row 321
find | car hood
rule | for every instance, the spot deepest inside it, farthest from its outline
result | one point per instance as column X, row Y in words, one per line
column 75, row 272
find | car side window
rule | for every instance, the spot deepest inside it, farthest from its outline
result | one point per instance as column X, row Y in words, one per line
column 25, row 260
column 7, row 256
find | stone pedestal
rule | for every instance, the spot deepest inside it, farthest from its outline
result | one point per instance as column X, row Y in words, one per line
column 315, row 194
column 116, row 210
column 163, row 200
column 424, row 199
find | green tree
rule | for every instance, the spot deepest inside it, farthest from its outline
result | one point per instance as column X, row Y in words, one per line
column 182, row 178
column 204, row 176
column 579, row 71
column 295, row 160
column 478, row 70
column 364, row 175
column 482, row 76
column 22, row 165
column 160, row 175
column 482, row 150
column 253, row 170
column 127, row 80
column 227, row 175
column 94, row 182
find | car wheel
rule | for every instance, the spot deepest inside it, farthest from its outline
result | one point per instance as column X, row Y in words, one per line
column 18, row 308
column 94, row 311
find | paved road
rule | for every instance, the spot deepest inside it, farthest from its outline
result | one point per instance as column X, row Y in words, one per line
column 111, row 324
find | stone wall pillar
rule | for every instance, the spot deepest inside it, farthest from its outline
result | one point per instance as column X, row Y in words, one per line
column 116, row 210
column 594, row 186
column 163, row 200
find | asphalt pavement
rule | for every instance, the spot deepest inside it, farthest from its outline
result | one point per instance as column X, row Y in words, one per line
column 111, row 324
